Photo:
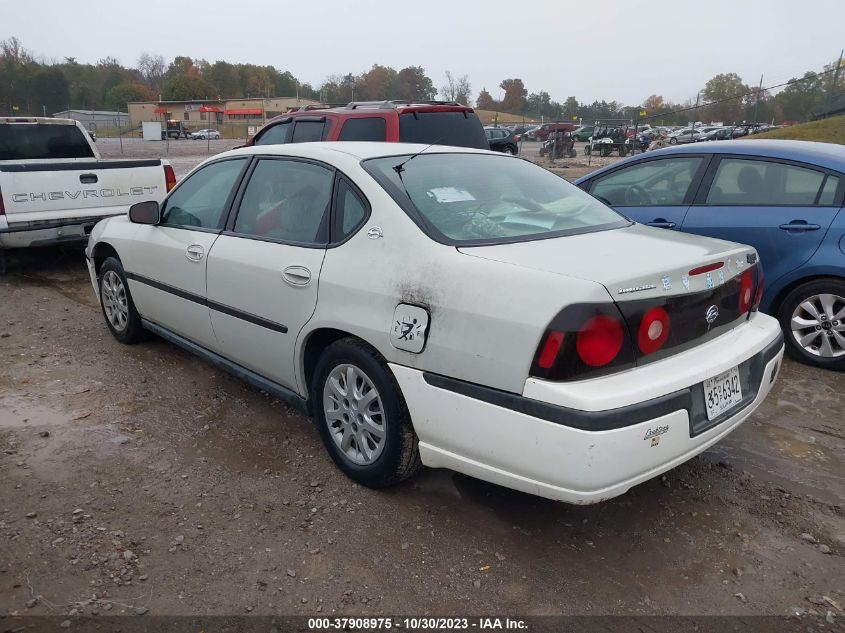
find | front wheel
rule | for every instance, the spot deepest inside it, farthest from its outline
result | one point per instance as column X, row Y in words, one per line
column 813, row 320
column 673, row 141
column 361, row 415
column 510, row 151
column 122, row 318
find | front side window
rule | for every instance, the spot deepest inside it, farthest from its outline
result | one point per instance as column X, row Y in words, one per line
column 364, row 129
column 200, row 200
column 479, row 198
column 652, row 183
column 276, row 135
column 757, row 182
column 286, row 200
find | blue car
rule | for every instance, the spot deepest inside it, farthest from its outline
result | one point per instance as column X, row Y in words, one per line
column 785, row 198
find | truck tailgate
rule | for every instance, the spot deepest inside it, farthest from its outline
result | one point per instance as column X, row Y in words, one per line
column 48, row 190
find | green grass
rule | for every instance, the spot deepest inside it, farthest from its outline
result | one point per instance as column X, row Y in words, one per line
column 830, row 130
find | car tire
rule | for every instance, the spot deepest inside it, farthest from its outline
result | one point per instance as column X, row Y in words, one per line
column 673, row 141
column 119, row 311
column 371, row 441
column 509, row 150
column 806, row 342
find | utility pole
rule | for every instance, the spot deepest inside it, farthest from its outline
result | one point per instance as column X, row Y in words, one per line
column 832, row 89
column 757, row 102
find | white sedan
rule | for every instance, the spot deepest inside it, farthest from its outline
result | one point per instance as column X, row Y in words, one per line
column 449, row 307
column 206, row 134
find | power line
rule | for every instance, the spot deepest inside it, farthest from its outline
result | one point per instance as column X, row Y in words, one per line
column 738, row 96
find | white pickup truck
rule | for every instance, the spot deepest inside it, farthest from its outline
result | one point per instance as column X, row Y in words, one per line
column 54, row 187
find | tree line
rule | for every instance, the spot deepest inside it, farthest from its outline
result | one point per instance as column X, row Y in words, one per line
column 29, row 85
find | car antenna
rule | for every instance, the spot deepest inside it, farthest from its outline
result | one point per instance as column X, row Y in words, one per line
column 400, row 167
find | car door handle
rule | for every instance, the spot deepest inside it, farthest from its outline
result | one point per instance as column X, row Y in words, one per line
column 296, row 275
column 88, row 179
column 195, row 252
column 661, row 224
column 799, row 225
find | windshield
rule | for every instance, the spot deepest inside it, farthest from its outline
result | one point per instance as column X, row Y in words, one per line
column 461, row 129
column 484, row 199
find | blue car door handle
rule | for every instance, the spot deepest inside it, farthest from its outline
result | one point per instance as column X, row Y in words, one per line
column 661, row 223
column 798, row 226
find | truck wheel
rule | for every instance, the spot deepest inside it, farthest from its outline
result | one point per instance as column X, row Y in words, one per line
column 812, row 317
column 118, row 308
column 587, row 150
column 363, row 419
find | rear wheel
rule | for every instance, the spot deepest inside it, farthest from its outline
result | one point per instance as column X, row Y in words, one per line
column 362, row 417
column 673, row 141
column 813, row 320
column 509, row 150
column 118, row 308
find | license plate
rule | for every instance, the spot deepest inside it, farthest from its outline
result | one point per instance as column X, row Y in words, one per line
column 722, row 392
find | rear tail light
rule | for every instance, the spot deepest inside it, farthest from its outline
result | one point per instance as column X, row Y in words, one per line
column 758, row 295
column 169, row 177
column 600, row 341
column 746, row 291
column 654, row 330
column 550, row 349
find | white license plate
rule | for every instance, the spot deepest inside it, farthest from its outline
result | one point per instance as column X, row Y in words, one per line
column 722, row 392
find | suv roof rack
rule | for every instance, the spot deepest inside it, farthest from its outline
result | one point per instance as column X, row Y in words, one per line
column 392, row 103
column 318, row 106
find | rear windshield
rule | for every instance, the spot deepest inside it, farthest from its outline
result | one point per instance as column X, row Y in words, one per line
column 488, row 199
column 460, row 129
column 22, row 141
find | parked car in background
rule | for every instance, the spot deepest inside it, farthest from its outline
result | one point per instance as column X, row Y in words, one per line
column 502, row 140
column 206, row 134
column 719, row 134
column 684, row 135
column 583, row 133
column 474, row 312
column 543, row 132
column 530, row 133
column 430, row 122
column 54, row 187
column 785, row 198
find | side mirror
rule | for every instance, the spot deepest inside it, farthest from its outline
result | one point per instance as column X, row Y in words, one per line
column 144, row 212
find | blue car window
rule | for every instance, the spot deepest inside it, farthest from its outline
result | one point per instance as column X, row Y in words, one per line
column 829, row 191
column 656, row 182
column 757, row 182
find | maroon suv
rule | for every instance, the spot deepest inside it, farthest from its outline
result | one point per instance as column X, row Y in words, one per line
column 430, row 122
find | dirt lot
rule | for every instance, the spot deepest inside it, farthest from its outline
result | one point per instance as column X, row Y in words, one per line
column 143, row 480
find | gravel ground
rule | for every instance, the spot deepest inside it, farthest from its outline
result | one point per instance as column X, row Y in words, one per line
column 142, row 480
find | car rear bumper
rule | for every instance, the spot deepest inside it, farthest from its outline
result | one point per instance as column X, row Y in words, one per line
column 587, row 455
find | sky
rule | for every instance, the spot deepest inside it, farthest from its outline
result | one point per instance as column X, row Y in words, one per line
column 613, row 50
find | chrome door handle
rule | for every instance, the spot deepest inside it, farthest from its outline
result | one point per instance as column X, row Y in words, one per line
column 195, row 252
column 799, row 226
column 661, row 224
column 296, row 275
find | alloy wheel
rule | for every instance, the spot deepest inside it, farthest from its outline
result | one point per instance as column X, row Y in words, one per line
column 115, row 301
column 818, row 325
column 354, row 414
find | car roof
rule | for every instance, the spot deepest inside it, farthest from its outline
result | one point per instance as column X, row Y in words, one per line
column 361, row 150
column 828, row 155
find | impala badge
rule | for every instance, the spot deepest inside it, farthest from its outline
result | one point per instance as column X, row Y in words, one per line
column 711, row 315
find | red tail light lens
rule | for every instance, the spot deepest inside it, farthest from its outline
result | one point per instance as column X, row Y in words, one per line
column 550, row 349
column 169, row 177
column 758, row 295
column 654, row 330
column 746, row 291
column 600, row 341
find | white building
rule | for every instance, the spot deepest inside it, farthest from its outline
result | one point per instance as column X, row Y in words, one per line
column 97, row 117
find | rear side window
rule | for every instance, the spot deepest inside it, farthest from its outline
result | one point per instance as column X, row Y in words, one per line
column 286, row 200
column 461, row 129
column 200, row 200
column 307, row 131
column 275, row 135
column 367, row 129
column 351, row 210
column 757, row 182
column 828, row 192
column 656, row 182
column 23, row 141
